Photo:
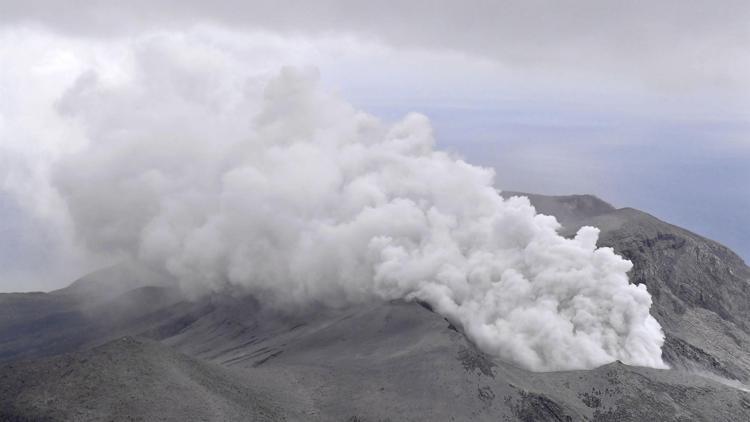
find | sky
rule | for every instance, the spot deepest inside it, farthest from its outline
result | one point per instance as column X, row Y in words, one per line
column 645, row 104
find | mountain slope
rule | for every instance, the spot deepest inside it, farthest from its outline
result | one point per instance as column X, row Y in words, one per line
column 401, row 361
column 396, row 361
column 233, row 359
column 700, row 288
column 129, row 379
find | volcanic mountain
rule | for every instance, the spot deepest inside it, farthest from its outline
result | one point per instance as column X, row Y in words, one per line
column 125, row 344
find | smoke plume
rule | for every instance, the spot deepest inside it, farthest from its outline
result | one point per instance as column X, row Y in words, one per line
column 274, row 185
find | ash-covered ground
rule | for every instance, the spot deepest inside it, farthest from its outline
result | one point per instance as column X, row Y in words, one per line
column 119, row 345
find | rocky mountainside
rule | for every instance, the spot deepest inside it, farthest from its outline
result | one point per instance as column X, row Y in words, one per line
column 700, row 288
column 129, row 379
column 118, row 345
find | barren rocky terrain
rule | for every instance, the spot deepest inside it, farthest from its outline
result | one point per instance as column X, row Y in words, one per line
column 123, row 344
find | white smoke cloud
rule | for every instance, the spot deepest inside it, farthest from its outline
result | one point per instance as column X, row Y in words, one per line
column 186, row 159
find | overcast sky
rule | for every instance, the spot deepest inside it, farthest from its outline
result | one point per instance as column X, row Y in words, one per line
column 646, row 104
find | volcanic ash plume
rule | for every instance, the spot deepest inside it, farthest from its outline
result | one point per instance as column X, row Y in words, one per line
column 294, row 195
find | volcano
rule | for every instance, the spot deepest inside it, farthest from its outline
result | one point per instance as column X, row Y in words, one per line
column 125, row 344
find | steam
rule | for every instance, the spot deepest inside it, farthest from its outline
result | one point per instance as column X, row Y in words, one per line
column 274, row 185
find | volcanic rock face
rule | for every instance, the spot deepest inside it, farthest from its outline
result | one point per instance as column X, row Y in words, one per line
column 116, row 347
column 701, row 289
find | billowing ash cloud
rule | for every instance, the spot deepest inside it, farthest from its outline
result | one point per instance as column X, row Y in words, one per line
column 280, row 188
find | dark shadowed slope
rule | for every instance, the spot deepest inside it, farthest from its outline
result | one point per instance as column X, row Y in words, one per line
column 130, row 379
column 387, row 361
column 231, row 359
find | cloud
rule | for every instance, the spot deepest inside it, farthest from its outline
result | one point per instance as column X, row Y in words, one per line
column 176, row 150
column 673, row 45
